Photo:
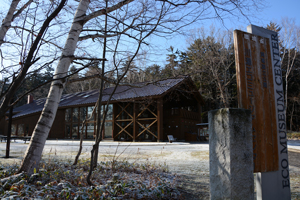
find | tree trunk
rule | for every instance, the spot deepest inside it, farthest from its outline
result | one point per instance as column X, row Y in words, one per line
column 9, row 132
column 34, row 151
column 291, row 119
column 30, row 59
column 10, row 16
column 7, row 20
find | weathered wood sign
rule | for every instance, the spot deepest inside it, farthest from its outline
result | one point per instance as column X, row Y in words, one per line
column 256, row 92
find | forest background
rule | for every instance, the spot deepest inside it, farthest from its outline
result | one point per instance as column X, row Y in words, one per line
column 209, row 60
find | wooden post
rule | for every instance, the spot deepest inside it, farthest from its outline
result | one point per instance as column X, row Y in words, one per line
column 160, row 111
column 275, row 185
column 115, row 106
column 199, row 111
column 135, row 124
column 256, row 93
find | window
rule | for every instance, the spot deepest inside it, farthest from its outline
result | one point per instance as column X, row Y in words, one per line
column 13, row 129
column 90, row 110
column 20, row 129
column 68, row 131
column 68, row 115
column 75, row 131
column 90, row 130
column 75, row 115
column 109, row 114
column 74, row 118
column 108, row 129
column 82, row 113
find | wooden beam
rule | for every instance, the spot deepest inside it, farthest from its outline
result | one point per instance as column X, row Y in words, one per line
column 146, row 109
column 147, row 128
column 115, row 110
column 124, row 110
column 123, row 120
column 147, row 119
column 199, row 111
column 124, row 129
column 135, row 125
column 160, row 112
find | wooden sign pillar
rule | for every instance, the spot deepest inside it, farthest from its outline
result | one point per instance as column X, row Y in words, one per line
column 275, row 185
column 260, row 90
column 256, row 93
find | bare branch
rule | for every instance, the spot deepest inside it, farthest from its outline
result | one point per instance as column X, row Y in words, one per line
column 107, row 10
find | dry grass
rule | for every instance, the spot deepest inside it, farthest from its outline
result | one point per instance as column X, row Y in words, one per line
column 293, row 136
column 202, row 155
column 295, row 185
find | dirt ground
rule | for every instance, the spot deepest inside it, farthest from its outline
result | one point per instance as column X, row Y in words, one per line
column 189, row 161
column 197, row 187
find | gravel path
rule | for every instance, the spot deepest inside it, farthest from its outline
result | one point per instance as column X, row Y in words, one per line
column 189, row 161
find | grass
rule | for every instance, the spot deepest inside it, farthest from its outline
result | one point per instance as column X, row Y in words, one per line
column 202, row 155
column 58, row 179
column 295, row 185
column 293, row 136
column 114, row 178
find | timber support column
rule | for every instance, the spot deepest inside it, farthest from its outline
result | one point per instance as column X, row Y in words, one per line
column 200, row 112
column 114, row 127
column 160, row 111
column 135, row 124
column 231, row 154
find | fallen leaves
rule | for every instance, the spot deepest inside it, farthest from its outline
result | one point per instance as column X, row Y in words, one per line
column 61, row 180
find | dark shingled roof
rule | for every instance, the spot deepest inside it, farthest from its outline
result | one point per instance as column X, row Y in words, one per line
column 88, row 97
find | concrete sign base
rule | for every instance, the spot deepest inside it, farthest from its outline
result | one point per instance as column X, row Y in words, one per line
column 230, row 154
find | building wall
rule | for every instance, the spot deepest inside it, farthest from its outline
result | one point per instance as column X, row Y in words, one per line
column 179, row 119
column 29, row 123
column 3, row 126
column 58, row 127
column 181, row 124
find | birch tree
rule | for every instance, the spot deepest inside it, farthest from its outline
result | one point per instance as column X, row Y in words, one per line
column 289, row 46
column 290, row 41
column 34, row 151
column 133, row 20
column 12, row 13
column 27, row 47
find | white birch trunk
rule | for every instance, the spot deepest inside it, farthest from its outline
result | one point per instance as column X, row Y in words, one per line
column 34, row 151
column 7, row 20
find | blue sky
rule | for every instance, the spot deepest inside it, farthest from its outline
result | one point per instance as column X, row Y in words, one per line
column 274, row 11
column 282, row 8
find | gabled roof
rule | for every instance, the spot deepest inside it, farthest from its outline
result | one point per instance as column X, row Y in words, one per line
column 122, row 93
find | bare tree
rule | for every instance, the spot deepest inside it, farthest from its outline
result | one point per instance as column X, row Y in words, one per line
column 289, row 49
column 129, row 24
column 12, row 13
column 290, row 46
column 28, row 59
column 212, row 64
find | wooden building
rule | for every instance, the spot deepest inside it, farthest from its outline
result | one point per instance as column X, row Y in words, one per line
column 143, row 112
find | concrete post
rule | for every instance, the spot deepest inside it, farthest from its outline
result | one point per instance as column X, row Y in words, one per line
column 231, row 154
